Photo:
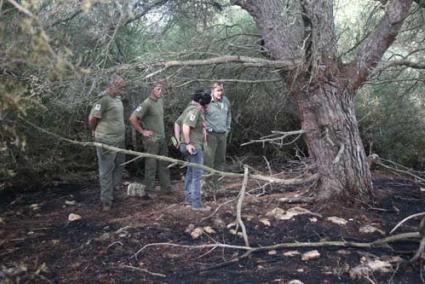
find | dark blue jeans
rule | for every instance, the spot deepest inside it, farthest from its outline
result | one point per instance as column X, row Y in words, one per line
column 192, row 181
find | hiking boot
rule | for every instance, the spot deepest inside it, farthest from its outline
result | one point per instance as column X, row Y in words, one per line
column 201, row 209
column 106, row 207
column 151, row 194
column 166, row 190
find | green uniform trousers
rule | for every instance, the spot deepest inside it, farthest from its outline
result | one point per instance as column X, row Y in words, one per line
column 110, row 171
column 156, row 147
column 215, row 154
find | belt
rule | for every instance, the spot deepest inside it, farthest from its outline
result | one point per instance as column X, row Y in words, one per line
column 216, row 132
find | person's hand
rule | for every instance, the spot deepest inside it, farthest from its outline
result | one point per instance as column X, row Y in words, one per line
column 147, row 133
column 175, row 142
column 190, row 149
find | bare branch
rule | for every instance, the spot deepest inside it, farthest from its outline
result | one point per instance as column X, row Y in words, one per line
column 280, row 137
column 293, row 181
column 239, row 207
column 288, row 64
column 374, row 46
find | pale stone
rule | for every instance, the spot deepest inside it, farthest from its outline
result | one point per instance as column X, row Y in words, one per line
column 337, row 220
column 368, row 267
column 70, row 202
column 343, row 252
column 295, row 281
column 35, row 206
column 272, row 252
column 197, row 233
column 189, row 228
column 73, row 217
column 230, row 225
column 209, row 230
column 291, row 253
column 313, row 254
column 265, row 222
column 136, row 189
column 280, row 214
column 368, row 229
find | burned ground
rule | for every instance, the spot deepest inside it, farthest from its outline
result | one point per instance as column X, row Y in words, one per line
column 39, row 244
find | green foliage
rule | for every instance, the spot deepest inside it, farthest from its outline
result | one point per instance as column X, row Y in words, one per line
column 54, row 65
column 392, row 122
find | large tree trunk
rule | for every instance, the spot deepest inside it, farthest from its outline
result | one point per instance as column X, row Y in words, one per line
column 327, row 114
column 323, row 88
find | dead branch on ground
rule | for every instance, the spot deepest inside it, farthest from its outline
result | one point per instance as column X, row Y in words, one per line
column 239, row 206
column 375, row 159
column 249, row 250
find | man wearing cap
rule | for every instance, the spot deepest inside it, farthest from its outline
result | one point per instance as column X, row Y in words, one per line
column 106, row 120
column 218, row 118
column 148, row 120
column 192, row 122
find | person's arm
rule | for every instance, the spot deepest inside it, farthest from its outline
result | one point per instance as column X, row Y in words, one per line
column 92, row 123
column 177, row 129
column 186, row 139
column 96, row 114
column 229, row 118
column 134, row 121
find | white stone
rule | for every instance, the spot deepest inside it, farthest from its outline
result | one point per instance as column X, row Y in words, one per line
column 313, row 254
column 197, row 233
column 73, row 217
column 368, row 229
column 209, row 230
column 291, row 253
column 265, row 222
column 295, row 281
column 337, row 220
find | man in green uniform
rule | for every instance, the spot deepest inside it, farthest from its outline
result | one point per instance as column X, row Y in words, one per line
column 218, row 118
column 106, row 120
column 193, row 134
column 148, row 120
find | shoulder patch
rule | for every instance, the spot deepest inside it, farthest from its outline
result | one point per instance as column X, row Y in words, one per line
column 97, row 106
column 138, row 109
column 192, row 117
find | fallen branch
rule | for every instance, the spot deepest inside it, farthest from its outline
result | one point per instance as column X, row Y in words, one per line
column 141, row 270
column 249, row 250
column 379, row 162
column 405, row 220
column 239, row 207
column 277, row 136
column 293, row 181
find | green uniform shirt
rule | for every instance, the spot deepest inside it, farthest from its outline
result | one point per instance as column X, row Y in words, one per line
column 193, row 117
column 110, row 114
column 151, row 115
column 218, row 116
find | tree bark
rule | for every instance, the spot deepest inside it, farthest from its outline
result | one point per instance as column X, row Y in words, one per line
column 327, row 113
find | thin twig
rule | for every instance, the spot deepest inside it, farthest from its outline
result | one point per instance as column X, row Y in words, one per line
column 239, row 207
column 141, row 270
column 406, row 219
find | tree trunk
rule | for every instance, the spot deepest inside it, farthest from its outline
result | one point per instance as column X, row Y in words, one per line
column 328, row 115
column 324, row 89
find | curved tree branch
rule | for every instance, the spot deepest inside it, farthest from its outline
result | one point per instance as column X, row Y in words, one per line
column 374, row 46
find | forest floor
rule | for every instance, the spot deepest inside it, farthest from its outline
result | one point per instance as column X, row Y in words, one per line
column 38, row 244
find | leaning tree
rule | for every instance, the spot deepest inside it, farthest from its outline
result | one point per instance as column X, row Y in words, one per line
column 323, row 87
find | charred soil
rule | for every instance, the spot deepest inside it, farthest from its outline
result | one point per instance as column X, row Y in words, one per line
column 38, row 243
